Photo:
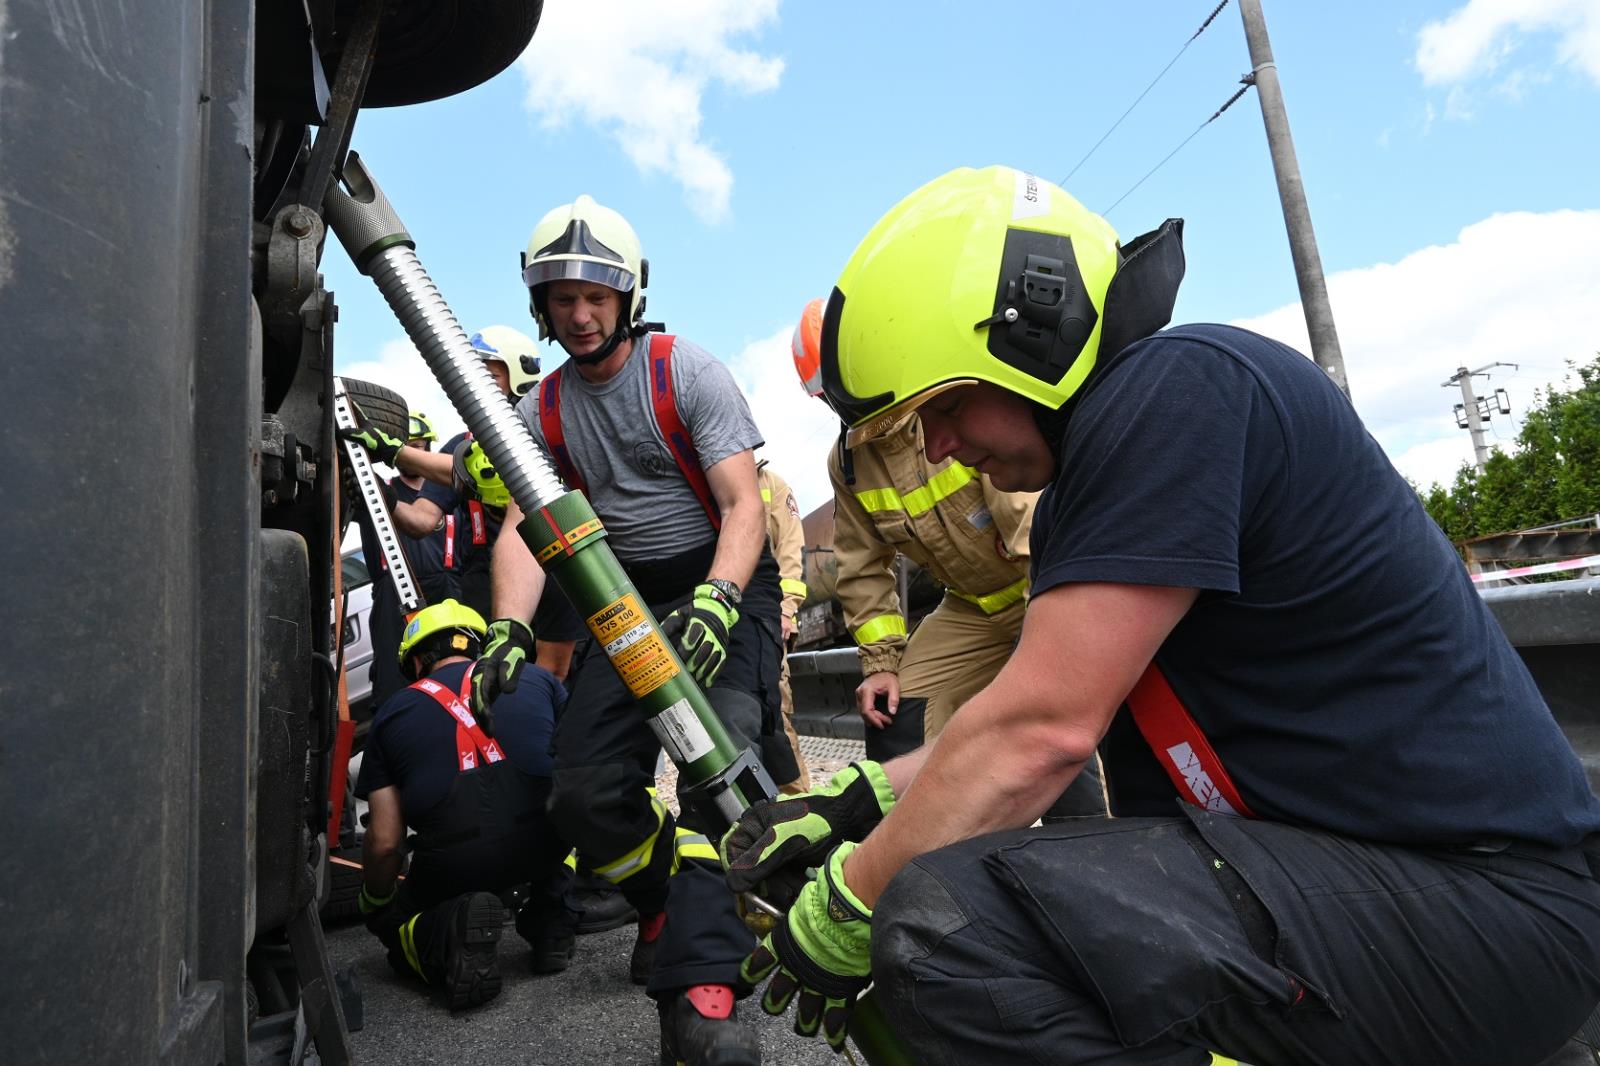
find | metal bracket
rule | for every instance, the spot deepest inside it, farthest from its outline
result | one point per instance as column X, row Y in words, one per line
column 372, row 497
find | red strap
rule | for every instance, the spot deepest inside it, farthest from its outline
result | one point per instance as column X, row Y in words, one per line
column 480, row 528
column 449, row 542
column 671, row 426
column 1180, row 747
column 472, row 743
column 550, row 426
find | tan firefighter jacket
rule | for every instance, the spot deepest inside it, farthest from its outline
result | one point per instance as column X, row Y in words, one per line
column 945, row 517
column 785, row 535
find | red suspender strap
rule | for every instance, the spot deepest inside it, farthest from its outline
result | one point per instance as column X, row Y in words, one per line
column 1180, row 747
column 480, row 528
column 449, row 542
column 472, row 744
column 550, row 426
column 671, row 426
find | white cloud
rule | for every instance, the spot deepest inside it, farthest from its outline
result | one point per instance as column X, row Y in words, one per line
column 638, row 69
column 798, row 430
column 1481, row 37
column 1515, row 288
column 397, row 366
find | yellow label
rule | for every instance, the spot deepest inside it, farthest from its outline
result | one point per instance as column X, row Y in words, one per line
column 633, row 645
column 573, row 536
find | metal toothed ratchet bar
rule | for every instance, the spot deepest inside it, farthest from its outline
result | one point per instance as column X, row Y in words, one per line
column 372, row 497
column 559, row 527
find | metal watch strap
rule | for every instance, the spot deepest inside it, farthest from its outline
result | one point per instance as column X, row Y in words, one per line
column 727, row 588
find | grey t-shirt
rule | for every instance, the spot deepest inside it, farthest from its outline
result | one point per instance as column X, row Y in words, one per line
column 633, row 481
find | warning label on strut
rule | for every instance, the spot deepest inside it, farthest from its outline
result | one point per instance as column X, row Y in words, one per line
column 634, row 647
column 681, row 734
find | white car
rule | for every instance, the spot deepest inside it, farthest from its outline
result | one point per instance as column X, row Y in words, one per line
column 357, row 638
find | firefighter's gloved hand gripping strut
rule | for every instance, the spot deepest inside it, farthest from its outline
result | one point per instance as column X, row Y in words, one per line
column 771, row 848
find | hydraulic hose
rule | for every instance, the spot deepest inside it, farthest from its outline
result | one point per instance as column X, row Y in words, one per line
column 560, row 528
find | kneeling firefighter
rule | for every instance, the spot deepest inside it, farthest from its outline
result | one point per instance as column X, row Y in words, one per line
column 477, row 807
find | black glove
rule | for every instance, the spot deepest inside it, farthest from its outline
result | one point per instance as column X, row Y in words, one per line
column 378, row 444
column 699, row 631
column 499, row 668
column 770, row 849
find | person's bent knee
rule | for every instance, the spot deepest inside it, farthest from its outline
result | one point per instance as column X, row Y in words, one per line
column 913, row 916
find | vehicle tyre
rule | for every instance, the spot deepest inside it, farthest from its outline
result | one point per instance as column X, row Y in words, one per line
column 385, row 409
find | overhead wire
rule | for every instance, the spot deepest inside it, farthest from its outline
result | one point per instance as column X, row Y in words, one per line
column 1209, row 18
column 1249, row 80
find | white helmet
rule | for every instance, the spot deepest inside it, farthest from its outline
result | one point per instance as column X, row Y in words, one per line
column 516, row 350
column 585, row 241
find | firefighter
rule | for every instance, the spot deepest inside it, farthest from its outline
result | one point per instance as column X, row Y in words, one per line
column 787, row 539
column 1348, row 828
column 476, row 805
column 889, row 500
column 657, row 434
column 449, row 507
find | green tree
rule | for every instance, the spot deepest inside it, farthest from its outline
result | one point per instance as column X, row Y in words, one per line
column 1553, row 473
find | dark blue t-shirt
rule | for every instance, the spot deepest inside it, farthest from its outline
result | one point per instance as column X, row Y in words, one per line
column 477, row 526
column 412, row 742
column 1338, row 659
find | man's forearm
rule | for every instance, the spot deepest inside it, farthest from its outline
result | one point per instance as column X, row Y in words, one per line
column 516, row 581
column 988, row 771
column 437, row 467
column 744, row 530
column 380, row 869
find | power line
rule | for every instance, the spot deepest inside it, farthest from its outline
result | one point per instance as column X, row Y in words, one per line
column 1214, row 13
column 1249, row 80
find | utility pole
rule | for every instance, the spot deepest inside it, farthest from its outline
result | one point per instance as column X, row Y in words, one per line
column 1291, row 192
column 1473, row 412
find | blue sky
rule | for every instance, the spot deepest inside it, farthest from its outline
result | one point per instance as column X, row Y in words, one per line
column 1448, row 151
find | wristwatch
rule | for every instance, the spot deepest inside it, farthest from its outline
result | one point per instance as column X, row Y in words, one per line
column 728, row 589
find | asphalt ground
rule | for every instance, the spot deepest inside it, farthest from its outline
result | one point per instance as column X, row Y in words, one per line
column 591, row 1014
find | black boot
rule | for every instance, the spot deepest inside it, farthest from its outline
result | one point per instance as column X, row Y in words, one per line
column 471, row 965
column 551, row 932
column 643, row 962
column 700, row 1027
column 603, row 904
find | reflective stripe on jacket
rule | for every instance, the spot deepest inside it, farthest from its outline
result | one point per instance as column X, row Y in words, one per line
column 945, row 517
column 785, row 534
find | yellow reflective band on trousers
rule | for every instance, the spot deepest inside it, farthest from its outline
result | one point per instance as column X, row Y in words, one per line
column 571, row 861
column 1223, row 1060
column 793, row 587
column 876, row 629
column 409, row 945
column 995, row 602
column 945, row 483
column 687, row 844
column 619, row 870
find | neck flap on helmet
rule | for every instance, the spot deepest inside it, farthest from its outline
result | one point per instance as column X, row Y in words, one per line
column 1138, row 303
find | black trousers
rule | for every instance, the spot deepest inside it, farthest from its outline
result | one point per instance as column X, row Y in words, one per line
column 606, row 759
column 1156, row 941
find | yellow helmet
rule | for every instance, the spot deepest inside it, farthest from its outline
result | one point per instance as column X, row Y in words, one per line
column 463, row 627
column 475, row 473
column 517, row 350
column 588, row 242
column 420, row 427
column 980, row 275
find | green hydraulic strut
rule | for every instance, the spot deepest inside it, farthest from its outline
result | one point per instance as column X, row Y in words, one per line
column 560, row 527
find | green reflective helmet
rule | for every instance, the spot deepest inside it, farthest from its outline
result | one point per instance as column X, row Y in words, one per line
column 463, row 630
column 989, row 275
column 474, row 471
column 420, row 428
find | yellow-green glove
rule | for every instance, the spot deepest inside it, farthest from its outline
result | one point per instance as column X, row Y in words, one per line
column 699, row 631
column 822, row 951
column 769, row 850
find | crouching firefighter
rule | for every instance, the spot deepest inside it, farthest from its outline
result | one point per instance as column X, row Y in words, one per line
column 1330, row 844
column 476, row 805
